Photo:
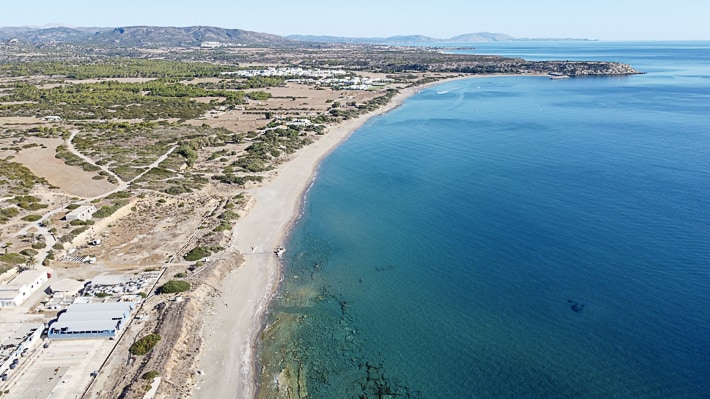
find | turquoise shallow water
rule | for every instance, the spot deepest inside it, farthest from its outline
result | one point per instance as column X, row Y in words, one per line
column 511, row 237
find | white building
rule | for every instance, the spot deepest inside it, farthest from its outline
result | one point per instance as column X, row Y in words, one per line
column 83, row 212
column 91, row 320
column 21, row 287
column 300, row 122
column 25, row 338
column 211, row 44
column 66, row 287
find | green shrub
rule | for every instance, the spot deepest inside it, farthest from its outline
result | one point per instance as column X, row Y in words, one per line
column 187, row 152
column 258, row 95
column 119, row 195
column 238, row 180
column 32, row 218
column 229, row 215
column 174, row 286
column 69, row 237
column 29, row 252
column 79, row 222
column 176, row 190
column 29, row 202
column 197, row 253
column 107, row 211
column 150, row 375
column 32, row 206
column 8, row 213
column 223, row 226
column 144, row 345
column 13, row 258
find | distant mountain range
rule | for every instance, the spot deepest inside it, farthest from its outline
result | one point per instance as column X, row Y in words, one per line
column 141, row 36
column 479, row 37
column 155, row 36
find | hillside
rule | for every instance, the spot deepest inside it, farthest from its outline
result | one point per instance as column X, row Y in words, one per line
column 157, row 36
column 407, row 39
column 140, row 36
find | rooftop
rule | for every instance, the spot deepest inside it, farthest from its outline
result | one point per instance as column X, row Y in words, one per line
column 24, row 278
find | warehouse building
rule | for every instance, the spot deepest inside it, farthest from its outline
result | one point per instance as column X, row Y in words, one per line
column 91, row 320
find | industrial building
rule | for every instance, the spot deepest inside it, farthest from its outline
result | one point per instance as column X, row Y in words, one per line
column 25, row 338
column 21, row 287
column 91, row 320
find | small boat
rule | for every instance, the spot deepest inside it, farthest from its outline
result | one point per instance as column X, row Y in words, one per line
column 558, row 76
column 280, row 251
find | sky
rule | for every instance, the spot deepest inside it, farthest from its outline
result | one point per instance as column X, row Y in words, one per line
column 595, row 19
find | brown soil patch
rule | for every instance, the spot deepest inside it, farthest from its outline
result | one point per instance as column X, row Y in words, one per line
column 70, row 179
column 19, row 120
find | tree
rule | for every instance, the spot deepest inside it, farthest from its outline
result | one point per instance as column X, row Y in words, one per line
column 268, row 115
column 189, row 153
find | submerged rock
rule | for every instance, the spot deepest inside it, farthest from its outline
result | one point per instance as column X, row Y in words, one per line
column 576, row 306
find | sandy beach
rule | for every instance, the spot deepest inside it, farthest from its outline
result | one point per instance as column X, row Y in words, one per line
column 231, row 327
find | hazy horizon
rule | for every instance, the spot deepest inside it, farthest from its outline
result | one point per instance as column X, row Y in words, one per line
column 602, row 20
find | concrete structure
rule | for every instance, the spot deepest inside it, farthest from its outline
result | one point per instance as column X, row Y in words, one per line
column 65, row 287
column 91, row 320
column 26, row 337
column 121, row 284
column 83, row 212
column 109, row 279
column 21, row 287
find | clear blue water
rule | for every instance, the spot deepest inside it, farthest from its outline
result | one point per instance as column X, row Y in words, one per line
column 511, row 237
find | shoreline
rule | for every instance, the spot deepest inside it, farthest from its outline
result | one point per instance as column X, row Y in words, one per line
column 231, row 327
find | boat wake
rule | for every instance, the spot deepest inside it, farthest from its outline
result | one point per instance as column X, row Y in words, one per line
column 447, row 91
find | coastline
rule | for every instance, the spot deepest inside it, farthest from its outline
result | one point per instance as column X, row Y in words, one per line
column 231, row 327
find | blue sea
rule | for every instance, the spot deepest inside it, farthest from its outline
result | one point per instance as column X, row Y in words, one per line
column 510, row 237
